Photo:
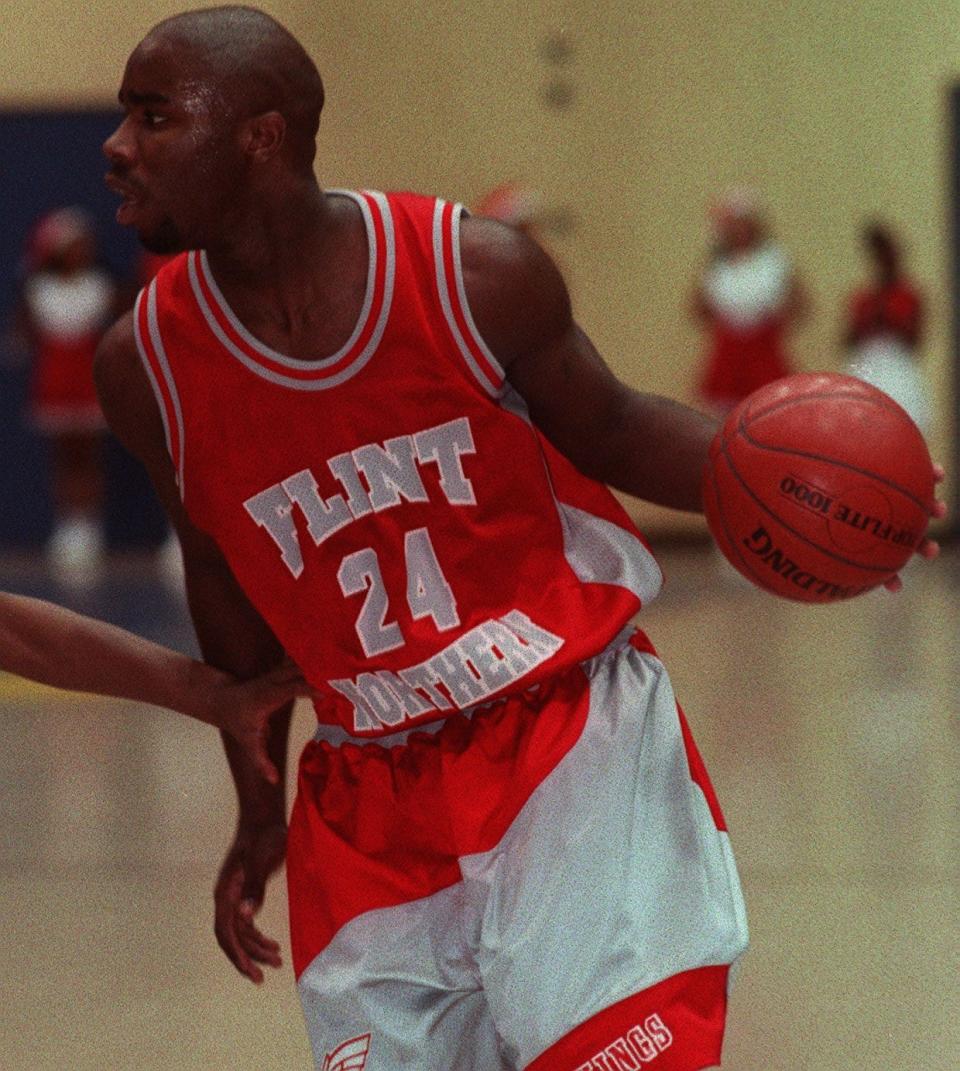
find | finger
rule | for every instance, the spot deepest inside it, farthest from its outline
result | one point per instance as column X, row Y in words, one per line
column 275, row 694
column 929, row 549
column 939, row 509
column 238, row 956
column 939, row 472
column 261, row 948
column 264, row 954
column 258, row 944
column 226, row 927
column 286, row 673
column 894, row 583
column 255, row 942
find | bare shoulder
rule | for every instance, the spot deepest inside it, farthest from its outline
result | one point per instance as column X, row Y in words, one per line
column 516, row 293
column 130, row 407
column 125, row 394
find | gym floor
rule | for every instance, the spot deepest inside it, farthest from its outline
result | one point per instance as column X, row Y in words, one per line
column 831, row 735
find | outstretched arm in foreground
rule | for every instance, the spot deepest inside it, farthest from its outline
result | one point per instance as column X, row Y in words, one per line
column 232, row 637
column 63, row 649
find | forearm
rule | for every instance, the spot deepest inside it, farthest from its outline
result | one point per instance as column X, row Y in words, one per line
column 657, row 450
column 645, row 445
column 233, row 638
column 60, row 648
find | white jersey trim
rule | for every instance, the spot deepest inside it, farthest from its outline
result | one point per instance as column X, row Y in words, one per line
column 458, row 294
column 601, row 552
column 198, row 264
column 156, row 341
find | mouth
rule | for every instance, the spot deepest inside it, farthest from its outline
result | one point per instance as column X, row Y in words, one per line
column 132, row 195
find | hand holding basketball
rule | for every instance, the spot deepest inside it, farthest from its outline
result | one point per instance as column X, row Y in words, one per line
column 819, row 487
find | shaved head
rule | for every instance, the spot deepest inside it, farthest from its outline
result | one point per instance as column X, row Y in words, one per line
column 221, row 109
column 253, row 65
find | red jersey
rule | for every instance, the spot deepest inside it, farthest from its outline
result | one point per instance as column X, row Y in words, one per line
column 884, row 310
column 412, row 540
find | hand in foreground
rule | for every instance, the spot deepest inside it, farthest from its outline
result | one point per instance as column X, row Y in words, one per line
column 928, row 548
column 243, row 709
column 254, row 855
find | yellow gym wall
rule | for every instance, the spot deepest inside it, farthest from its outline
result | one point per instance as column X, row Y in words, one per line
column 834, row 111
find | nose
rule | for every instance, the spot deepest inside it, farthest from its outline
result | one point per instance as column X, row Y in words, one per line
column 118, row 148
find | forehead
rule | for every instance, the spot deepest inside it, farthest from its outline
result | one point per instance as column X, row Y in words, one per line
column 166, row 67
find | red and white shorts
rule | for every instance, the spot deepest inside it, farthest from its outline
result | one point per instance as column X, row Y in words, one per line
column 546, row 884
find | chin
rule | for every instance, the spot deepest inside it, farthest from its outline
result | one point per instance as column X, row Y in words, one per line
column 164, row 239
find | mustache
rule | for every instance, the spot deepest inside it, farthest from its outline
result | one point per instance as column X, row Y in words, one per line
column 122, row 177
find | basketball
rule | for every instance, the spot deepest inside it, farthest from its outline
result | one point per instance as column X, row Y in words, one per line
column 818, row 488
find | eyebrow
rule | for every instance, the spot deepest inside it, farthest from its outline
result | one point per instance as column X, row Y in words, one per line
column 132, row 97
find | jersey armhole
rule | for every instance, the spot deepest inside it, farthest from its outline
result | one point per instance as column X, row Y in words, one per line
column 477, row 355
column 154, row 358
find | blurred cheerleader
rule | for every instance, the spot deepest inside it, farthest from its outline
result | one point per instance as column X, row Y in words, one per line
column 747, row 297
column 513, row 204
column 67, row 302
column 884, row 327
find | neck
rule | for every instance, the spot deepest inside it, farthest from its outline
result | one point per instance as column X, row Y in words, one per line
column 279, row 262
column 273, row 238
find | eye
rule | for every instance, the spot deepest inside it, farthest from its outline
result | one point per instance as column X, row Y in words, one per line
column 152, row 118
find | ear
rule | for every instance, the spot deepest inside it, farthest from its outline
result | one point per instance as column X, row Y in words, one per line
column 263, row 136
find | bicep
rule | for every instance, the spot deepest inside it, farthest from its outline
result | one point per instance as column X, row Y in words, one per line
column 132, row 414
column 522, row 309
column 640, row 443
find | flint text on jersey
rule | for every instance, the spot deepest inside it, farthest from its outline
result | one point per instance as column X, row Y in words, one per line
column 374, row 478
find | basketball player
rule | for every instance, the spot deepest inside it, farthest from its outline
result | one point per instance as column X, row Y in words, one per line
column 58, row 647
column 382, row 440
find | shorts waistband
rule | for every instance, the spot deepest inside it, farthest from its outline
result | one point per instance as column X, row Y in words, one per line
column 335, row 735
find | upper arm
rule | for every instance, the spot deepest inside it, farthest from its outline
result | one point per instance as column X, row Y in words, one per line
column 130, row 408
column 640, row 443
column 522, row 309
column 131, row 411
column 232, row 634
